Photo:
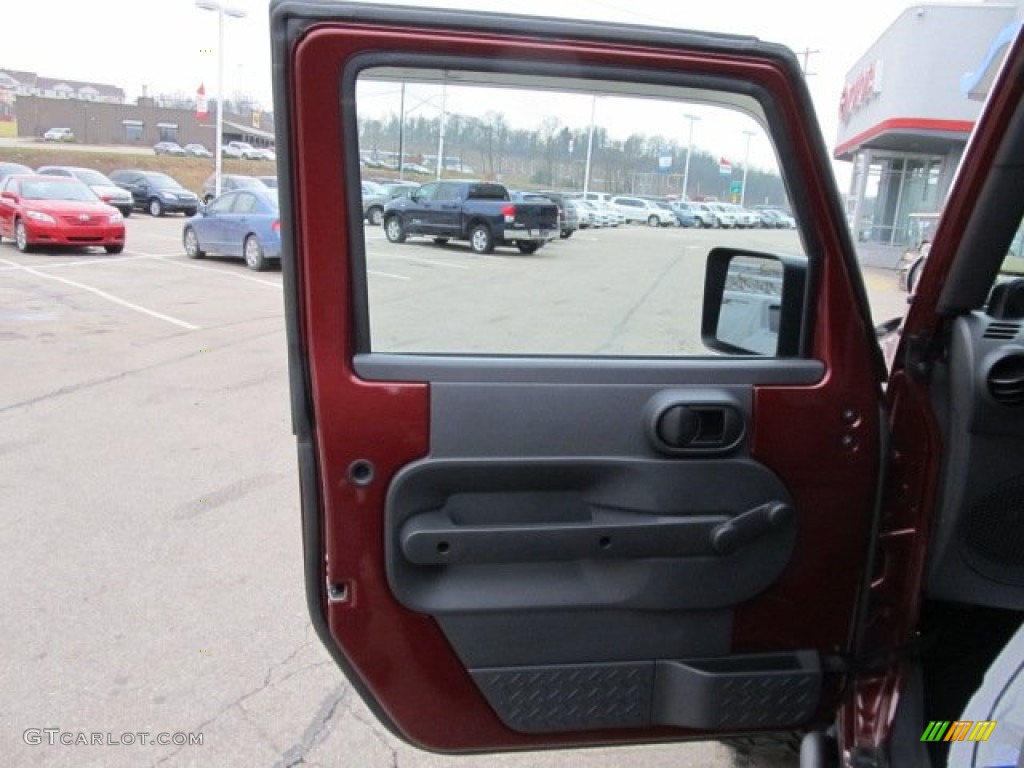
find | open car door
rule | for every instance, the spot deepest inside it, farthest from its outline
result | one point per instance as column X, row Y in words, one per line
column 564, row 498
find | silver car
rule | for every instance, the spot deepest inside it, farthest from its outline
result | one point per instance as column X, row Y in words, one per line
column 374, row 199
column 105, row 189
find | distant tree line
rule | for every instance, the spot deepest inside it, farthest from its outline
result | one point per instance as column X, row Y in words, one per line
column 554, row 156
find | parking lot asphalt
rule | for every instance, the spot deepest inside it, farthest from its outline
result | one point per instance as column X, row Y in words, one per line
column 150, row 510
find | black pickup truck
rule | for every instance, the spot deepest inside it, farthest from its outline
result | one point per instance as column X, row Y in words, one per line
column 480, row 212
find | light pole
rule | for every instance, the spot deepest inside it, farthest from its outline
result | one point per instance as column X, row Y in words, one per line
column 590, row 146
column 689, row 151
column 440, row 133
column 237, row 13
column 401, row 126
column 746, row 164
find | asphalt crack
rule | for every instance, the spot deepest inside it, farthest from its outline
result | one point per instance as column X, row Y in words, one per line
column 267, row 683
column 378, row 734
column 317, row 730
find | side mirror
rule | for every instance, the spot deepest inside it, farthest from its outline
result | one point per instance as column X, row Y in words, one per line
column 9, row 195
column 753, row 303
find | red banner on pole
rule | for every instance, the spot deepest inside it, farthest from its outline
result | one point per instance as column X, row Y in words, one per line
column 201, row 111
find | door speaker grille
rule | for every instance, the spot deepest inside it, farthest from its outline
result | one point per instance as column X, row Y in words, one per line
column 992, row 534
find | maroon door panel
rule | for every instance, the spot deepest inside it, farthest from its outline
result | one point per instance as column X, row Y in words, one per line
column 821, row 440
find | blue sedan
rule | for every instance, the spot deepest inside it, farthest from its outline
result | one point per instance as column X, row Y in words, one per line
column 684, row 214
column 245, row 223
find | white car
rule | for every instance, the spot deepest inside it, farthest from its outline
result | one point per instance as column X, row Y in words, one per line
column 641, row 211
column 586, row 216
column 613, row 214
column 59, row 134
column 593, row 214
column 197, row 150
column 704, row 215
column 745, row 219
column 241, row 149
column 724, row 216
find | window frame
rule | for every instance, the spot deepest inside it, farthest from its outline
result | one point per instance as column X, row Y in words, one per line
column 374, row 363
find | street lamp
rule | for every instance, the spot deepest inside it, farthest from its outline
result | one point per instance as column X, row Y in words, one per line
column 689, row 151
column 440, row 133
column 236, row 13
column 402, row 112
column 590, row 146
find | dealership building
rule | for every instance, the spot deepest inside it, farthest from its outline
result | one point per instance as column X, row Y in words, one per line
column 907, row 108
column 97, row 113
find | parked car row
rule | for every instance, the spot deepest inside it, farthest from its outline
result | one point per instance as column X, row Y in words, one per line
column 75, row 207
column 597, row 210
column 233, row 149
column 70, row 206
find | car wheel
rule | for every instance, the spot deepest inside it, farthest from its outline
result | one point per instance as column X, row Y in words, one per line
column 440, row 241
column 698, row 223
column 114, row 248
column 375, row 216
column 566, row 234
column 528, row 248
column 481, row 240
column 21, row 237
column 191, row 242
column 253, row 250
column 126, row 212
column 156, row 208
column 393, row 230
column 189, row 212
column 653, row 221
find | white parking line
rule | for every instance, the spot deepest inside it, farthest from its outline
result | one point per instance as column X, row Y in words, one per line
column 80, row 262
column 108, row 296
column 240, row 276
column 225, row 272
column 433, row 262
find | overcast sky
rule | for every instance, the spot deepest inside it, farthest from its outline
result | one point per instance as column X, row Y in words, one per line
column 170, row 45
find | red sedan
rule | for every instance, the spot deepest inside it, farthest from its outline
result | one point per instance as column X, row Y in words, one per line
column 50, row 210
